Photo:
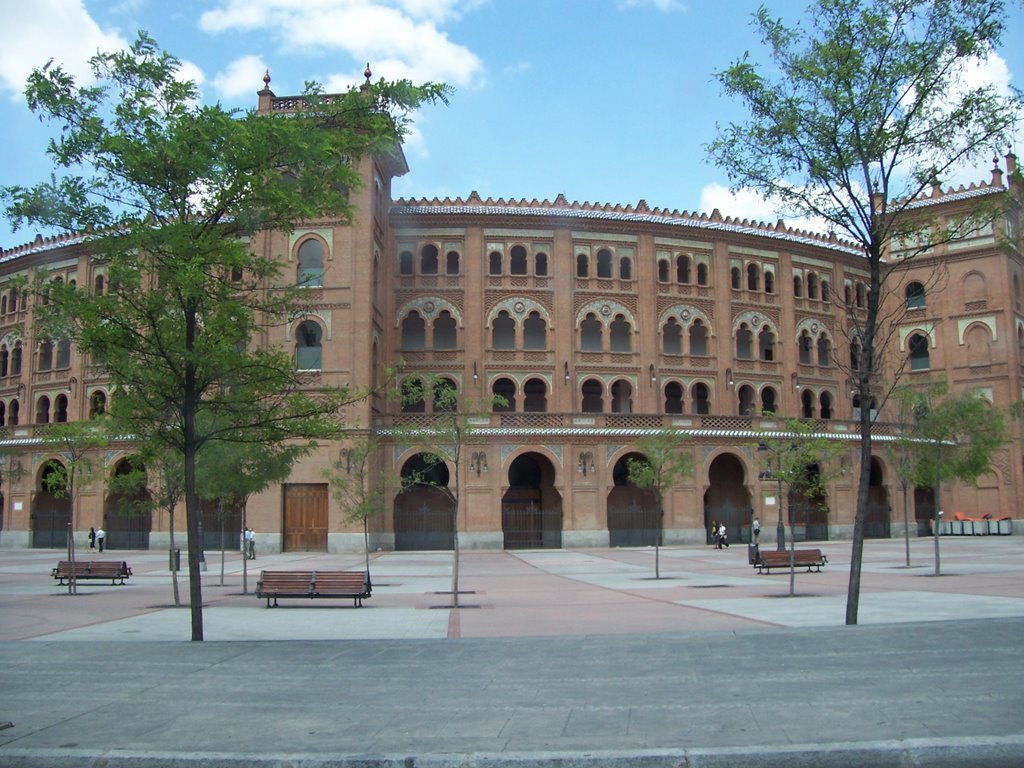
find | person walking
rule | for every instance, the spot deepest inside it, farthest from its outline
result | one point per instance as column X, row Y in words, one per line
column 101, row 537
column 714, row 533
column 757, row 530
column 723, row 537
column 92, row 538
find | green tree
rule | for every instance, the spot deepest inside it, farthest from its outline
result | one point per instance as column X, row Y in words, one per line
column 75, row 443
column 159, row 471
column 804, row 462
column 864, row 109
column 360, row 493
column 664, row 464
column 457, row 423
column 230, row 472
column 170, row 191
column 954, row 438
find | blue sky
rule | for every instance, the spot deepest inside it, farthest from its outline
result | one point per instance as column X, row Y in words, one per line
column 607, row 101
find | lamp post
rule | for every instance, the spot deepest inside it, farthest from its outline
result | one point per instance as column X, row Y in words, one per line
column 780, row 528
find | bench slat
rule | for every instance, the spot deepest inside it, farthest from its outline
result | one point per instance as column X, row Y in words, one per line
column 326, row 584
column 115, row 570
column 811, row 559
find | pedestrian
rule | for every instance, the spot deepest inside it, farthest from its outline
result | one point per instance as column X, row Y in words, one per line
column 723, row 537
column 757, row 530
column 92, row 538
column 714, row 532
column 250, row 543
column 101, row 537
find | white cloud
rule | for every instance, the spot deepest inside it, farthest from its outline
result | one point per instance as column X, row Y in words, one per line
column 748, row 204
column 659, row 5
column 241, row 78
column 59, row 29
column 400, row 38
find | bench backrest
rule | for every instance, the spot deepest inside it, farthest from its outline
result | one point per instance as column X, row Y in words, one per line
column 349, row 582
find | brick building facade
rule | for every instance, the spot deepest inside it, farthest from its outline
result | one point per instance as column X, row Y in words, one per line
column 597, row 324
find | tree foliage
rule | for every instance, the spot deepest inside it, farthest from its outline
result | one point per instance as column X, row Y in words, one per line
column 169, row 192
column 865, row 108
column 359, row 491
column 664, row 464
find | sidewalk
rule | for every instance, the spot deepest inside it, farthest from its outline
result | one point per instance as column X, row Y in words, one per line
column 555, row 658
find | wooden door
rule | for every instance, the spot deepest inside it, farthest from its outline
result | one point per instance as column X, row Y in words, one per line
column 305, row 517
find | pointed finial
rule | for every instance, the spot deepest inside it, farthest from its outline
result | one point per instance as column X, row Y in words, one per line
column 367, row 73
column 266, row 78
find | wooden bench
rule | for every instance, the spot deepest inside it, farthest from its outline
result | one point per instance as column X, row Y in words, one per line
column 314, row 584
column 115, row 570
column 811, row 559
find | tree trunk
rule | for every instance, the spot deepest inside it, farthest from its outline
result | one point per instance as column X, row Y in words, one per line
column 174, row 572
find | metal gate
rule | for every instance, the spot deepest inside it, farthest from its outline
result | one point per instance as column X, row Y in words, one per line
column 424, row 520
column 632, row 518
column 49, row 521
column 527, row 525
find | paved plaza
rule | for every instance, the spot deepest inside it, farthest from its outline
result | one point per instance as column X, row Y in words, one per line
column 556, row 657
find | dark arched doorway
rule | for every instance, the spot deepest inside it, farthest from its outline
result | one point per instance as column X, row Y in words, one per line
column 632, row 512
column 127, row 515
column 51, row 514
column 531, row 509
column 424, row 513
column 924, row 510
column 727, row 500
column 876, row 521
column 808, row 511
column 222, row 527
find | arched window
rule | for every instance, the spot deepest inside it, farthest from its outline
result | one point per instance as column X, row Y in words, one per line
column 734, row 277
column 16, row 359
column 698, row 338
column 540, row 265
column 506, row 390
column 503, row 331
column 622, row 397
column 824, row 350
column 3, row 413
column 311, row 264
column 662, row 271
column 535, row 332
column 590, row 333
column 746, row 400
column 60, row 409
column 769, row 282
column 593, row 396
column 494, row 263
column 620, row 334
column 683, row 269
column 807, row 404
column 825, row 291
column 744, row 342
column 825, row 408
column 672, row 338
column 414, row 332
column 861, row 296
column 428, row 260
column 451, row 263
column 673, row 397
column 5, row 358
column 43, row 410
column 702, row 274
column 701, row 400
column 804, row 346
column 535, row 396
column 766, row 344
column 307, row 346
column 517, row 263
column 798, row 286
column 63, row 354
column 12, row 305
column 753, row 277
column 445, row 396
column 97, row 285
column 918, row 348
column 405, row 263
column 604, row 263
column 855, row 355
column 97, row 404
column 812, row 285
column 768, row 401
column 445, row 336
column 46, row 356
column 413, row 400
column 625, row 268
column 13, row 413
column 915, row 295
column 582, row 265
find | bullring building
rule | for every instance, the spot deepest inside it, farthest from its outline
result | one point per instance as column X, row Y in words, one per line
column 597, row 324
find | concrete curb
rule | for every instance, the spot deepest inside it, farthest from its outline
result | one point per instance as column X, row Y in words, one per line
column 981, row 752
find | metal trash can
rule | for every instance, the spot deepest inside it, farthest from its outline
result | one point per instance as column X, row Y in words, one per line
column 752, row 553
column 174, row 556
